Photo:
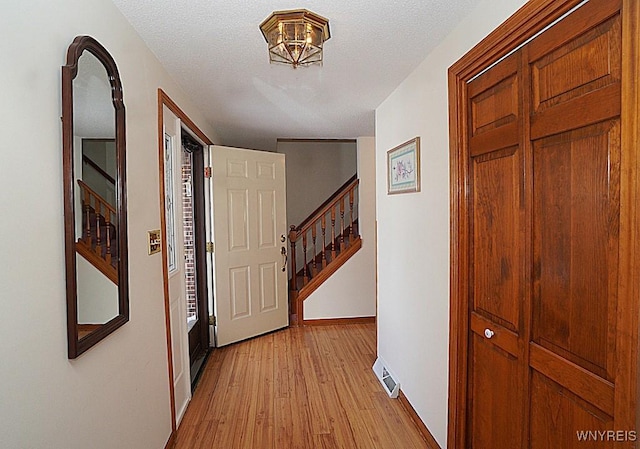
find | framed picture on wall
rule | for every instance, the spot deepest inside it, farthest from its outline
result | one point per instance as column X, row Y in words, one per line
column 403, row 167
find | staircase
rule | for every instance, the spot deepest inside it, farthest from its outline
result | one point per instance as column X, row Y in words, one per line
column 321, row 244
column 98, row 243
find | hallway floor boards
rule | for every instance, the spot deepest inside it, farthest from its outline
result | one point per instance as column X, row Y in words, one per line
column 304, row 387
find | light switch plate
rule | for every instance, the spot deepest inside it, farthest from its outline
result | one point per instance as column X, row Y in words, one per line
column 155, row 241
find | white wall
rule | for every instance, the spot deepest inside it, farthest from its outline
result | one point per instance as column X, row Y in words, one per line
column 351, row 291
column 115, row 395
column 314, row 171
column 413, row 229
column 97, row 294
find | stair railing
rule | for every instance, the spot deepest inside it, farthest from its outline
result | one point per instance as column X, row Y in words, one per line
column 87, row 160
column 103, row 183
column 97, row 223
column 328, row 231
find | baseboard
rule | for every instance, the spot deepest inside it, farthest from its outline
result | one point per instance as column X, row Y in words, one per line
column 334, row 321
column 428, row 438
column 172, row 440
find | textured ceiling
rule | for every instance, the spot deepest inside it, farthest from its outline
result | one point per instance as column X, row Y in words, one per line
column 216, row 52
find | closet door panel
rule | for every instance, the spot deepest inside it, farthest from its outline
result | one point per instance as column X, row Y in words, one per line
column 496, row 365
column 494, row 108
column 575, row 241
column 576, row 72
column 497, row 258
column 575, row 228
column 561, row 419
column 495, row 411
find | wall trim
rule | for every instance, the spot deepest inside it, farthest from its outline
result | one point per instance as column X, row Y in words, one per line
column 424, row 431
column 340, row 321
column 289, row 140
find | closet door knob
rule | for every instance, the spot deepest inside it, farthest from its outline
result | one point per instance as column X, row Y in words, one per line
column 489, row 333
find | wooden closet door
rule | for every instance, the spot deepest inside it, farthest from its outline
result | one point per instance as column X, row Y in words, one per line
column 497, row 337
column 575, row 72
column 544, row 178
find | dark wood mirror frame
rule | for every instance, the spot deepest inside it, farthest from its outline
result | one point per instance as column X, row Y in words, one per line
column 77, row 345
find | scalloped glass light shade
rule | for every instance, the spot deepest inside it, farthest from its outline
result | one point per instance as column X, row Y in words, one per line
column 295, row 37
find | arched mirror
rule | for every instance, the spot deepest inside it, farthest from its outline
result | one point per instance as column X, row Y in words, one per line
column 95, row 196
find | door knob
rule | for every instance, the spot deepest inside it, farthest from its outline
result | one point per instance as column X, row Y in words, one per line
column 489, row 333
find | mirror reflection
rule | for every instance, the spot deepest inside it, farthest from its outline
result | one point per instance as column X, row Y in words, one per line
column 95, row 208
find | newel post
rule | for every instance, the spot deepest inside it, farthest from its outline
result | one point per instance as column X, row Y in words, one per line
column 293, row 235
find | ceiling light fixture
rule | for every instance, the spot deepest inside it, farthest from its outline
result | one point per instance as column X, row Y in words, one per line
column 295, row 37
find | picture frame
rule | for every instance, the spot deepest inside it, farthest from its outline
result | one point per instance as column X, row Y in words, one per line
column 403, row 167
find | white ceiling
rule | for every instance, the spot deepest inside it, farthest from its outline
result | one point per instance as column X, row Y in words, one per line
column 216, row 52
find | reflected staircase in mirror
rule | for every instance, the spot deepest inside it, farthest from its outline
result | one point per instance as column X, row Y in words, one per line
column 321, row 244
column 98, row 243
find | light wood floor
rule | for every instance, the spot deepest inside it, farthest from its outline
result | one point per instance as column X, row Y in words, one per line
column 305, row 388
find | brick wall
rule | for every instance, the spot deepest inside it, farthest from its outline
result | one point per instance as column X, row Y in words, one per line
column 189, row 248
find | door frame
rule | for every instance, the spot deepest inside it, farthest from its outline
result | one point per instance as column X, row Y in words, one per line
column 165, row 100
column 522, row 26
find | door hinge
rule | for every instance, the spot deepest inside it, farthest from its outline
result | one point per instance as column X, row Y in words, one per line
column 207, row 172
column 210, row 247
column 212, row 320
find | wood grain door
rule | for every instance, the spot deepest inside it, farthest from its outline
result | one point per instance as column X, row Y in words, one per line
column 544, row 176
column 574, row 108
column 496, row 335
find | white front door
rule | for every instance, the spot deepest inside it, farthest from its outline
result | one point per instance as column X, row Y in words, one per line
column 175, row 262
column 250, row 230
